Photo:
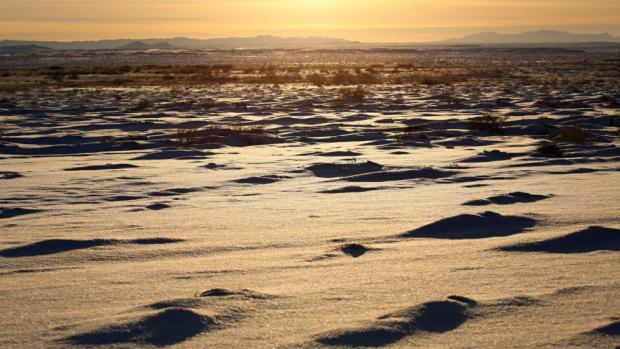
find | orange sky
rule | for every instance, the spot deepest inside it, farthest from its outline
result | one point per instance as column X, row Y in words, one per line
column 364, row 20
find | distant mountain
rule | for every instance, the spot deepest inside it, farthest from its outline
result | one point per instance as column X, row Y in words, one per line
column 22, row 48
column 268, row 41
column 533, row 37
column 265, row 41
column 139, row 45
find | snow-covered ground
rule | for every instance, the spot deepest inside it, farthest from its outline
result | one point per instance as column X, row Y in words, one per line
column 139, row 217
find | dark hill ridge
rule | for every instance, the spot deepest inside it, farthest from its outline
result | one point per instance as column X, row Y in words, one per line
column 139, row 45
column 270, row 41
column 263, row 41
column 532, row 37
column 22, row 48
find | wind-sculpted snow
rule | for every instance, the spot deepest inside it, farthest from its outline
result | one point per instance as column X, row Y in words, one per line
column 455, row 198
column 473, row 226
column 47, row 247
column 431, row 317
column 168, row 327
column 587, row 240
column 508, row 199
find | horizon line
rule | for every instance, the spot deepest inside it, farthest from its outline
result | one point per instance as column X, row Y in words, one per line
column 258, row 35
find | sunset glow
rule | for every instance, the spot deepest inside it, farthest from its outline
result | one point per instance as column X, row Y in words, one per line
column 365, row 20
column 309, row 174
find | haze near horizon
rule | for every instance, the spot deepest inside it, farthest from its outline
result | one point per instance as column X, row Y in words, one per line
column 362, row 20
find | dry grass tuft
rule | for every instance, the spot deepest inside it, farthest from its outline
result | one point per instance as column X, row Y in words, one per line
column 6, row 102
column 412, row 132
column 143, row 104
column 488, row 122
column 135, row 136
column 550, row 149
column 351, row 96
column 572, row 134
column 236, row 130
column 186, row 137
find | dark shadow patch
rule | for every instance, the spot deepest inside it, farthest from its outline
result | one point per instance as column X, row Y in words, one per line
column 508, row 199
column 165, row 328
column 349, row 189
column 554, row 162
column 588, row 240
column 213, row 166
column 488, row 156
column 123, row 198
column 431, row 317
column 480, row 178
column 54, row 246
column 343, row 170
column 569, row 291
column 6, row 213
column 334, row 154
column 48, row 247
column 157, row 207
column 244, row 293
column 463, row 141
column 482, row 202
column 518, row 301
column 176, row 303
column 470, row 226
column 9, row 175
column 260, row 180
column 340, row 153
column 173, row 192
column 400, row 175
column 582, row 170
column 34, row 270
column 153, row 241
column 102, row 167
column 369, row 337
column 612, row 329
column 174, row 155
column 324, row 257
column 605, row 336
column 354, row 250
column 476, row 185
